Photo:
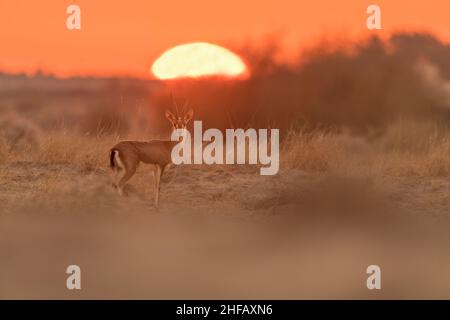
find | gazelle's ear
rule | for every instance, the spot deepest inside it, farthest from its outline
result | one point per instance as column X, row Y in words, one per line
column 170, row 116
column 189, row 115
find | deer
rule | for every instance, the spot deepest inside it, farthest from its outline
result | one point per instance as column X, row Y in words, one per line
column 125, row 156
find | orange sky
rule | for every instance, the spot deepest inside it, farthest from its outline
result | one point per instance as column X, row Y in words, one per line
column 124, row 37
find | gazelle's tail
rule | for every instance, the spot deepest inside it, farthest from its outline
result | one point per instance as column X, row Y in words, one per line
column 111, row 158
column 114, row 160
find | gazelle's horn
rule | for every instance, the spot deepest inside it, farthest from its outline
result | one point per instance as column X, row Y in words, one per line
column 174, row 103
column 186, row 103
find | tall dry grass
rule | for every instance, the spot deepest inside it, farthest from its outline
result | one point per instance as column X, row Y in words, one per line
column 417, row 148
column 406, row 148
column 67, row 147
column 71, row 148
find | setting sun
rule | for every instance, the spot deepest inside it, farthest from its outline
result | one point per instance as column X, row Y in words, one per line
column 197, row 60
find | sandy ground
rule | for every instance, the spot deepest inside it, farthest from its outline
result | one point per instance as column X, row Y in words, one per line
column 221, row 232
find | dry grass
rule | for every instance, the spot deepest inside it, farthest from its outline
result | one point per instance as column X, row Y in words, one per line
column 407, row 148
column 70, row 148
column 311, row 151
column 415, row 148
column 410, row 161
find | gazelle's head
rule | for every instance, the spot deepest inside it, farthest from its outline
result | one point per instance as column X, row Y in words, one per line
column 180, row 119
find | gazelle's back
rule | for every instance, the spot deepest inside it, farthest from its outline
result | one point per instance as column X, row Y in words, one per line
column 150, row 152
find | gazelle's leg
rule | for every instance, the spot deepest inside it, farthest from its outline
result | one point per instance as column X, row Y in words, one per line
column 115, row 174
column 158, row 174
column 129, row 172
column 153, row 168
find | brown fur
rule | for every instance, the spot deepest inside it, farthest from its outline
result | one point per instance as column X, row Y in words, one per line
column 126, row 156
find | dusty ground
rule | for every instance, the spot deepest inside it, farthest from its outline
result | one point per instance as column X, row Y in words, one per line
column 221, row 232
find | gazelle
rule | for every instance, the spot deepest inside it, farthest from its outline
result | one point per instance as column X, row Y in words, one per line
column 126, row 155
